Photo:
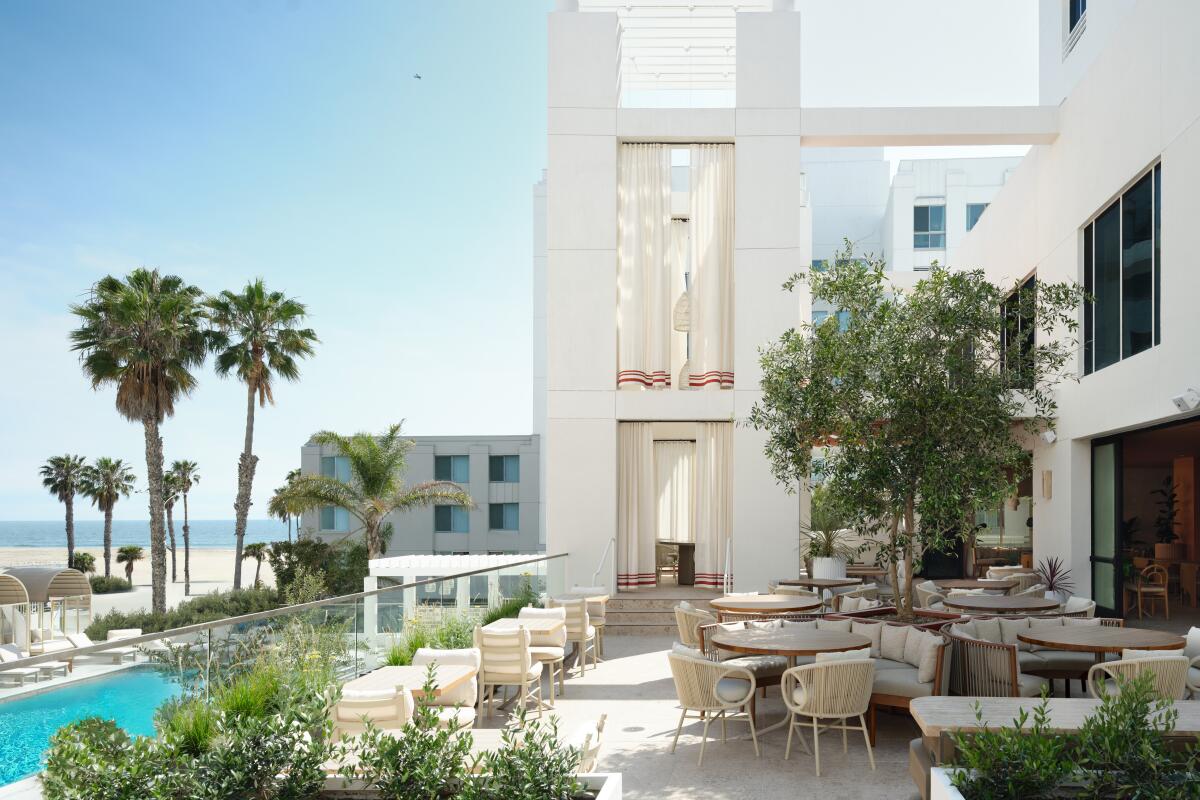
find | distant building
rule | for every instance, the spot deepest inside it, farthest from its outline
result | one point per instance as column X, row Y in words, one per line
column 500, row 472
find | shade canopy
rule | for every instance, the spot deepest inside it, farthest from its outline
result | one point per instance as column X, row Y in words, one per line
column 43, row 584
column 12, row 591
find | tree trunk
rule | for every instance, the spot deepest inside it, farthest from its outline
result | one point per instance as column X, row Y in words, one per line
column 257, row 569
column 171, row 533
column 108, row 514
column 241, row 506
column 129, row 571
column 893, row 571
column 187, row 554
column 289, row 529
column 909, row 533
column 373, row 549
column 158, row 535
column 70, row 501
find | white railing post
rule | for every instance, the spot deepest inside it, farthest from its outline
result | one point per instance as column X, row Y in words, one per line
column 608, row 548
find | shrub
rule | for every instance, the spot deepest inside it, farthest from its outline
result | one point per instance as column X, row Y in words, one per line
column 206, row 608
column 187, row 724
column 255, row 694
column 525, row 596
column 343, row 565
column 530, row 765
column 104, row 584
column 93, row 759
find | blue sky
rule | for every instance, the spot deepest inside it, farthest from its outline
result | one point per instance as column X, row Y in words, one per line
column 288, row 139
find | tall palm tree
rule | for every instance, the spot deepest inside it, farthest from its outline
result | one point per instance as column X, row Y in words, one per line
column 129, row 554
column 170, row 498
column 375, row 488
column 145, row 335
column 62, row 475
column 278, row 507
column 257, row 551
column 84, row 562
column 260, row 338
column 105, row 482
column 187, row 473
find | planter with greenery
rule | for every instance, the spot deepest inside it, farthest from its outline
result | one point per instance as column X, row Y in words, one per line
column 1057, row 578
column 110, row 584
column 1166, row 522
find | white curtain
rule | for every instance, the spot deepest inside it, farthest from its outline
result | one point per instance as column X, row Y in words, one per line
column 711, row 220
column 643, row 267
column 712, row 511
column 673, row 470
column 635, row 506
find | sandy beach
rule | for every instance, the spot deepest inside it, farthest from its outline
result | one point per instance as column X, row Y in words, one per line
column 211, row 570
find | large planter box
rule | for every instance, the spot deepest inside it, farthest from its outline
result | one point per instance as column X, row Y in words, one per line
column 940, row 787
column 834, row 568
column 944, row 618
column 607, row 786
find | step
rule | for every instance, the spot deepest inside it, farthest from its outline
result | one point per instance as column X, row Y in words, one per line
column 639, row 616
column 627, row 603
column 641, row 629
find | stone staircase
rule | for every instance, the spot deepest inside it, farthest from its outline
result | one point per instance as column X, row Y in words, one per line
column 634, row 614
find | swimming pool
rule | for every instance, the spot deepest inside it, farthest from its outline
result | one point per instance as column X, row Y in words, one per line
column 128, row 697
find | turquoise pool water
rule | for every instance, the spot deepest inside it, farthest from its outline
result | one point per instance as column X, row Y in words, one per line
column 129, row 698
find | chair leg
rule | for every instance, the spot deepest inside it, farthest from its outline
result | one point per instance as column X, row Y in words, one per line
column 787, row 753
column 871, row 715
column 845, row 746
column 724, row 729
column 562, row 677
column 816, row 747
column 703, row 741
column 754, row 736
column 867, row 739
column 678, row 728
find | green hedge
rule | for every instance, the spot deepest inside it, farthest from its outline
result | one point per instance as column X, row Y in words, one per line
column 102, row 584
column 205, row 608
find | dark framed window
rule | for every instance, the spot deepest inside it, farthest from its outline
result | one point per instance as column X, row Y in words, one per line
column 504, row 469
column 974, row 212
column 1020, row 333
column 929, row 227
column 1075, row 11
column 452, row 468
column 504, row 516
column 451, row 519
column 1122, row 273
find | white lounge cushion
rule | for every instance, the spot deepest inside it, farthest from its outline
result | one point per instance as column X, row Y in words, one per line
column 116, row 634
column 732, row 690
column 839, row 625
column 871, row 630
column 1191, row 647
column 10, row 653
column 988, row 630
column 1130, row 653
column 368, row 694
column 845, row 655
column 901, row 681
column 542, row 653
column 760, row 666
column 765, row 624
column 802, row 625
column 1011, row 628
column 892, row 641
column 465, row 693
column 455, row 717
column 683, row 650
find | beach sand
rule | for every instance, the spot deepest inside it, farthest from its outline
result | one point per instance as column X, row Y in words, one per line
column 211, row 570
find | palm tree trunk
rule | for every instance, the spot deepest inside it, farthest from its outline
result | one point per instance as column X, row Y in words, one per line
column 257, row 569
column 158, row 548
column 241, row 505
column 171, row 533
column 70, row 501
column 108, row 512
column 187, row 574
column 289, row 528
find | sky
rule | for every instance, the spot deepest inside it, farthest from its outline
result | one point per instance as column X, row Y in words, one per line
column 289, row 140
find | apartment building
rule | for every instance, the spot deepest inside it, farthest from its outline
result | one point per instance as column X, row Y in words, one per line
column 501, row 473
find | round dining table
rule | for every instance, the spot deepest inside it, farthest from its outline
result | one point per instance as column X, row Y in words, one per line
column 1001, row 604
column 974, row 583
column 821, row 583
column 1101, row 639
column 765, row 603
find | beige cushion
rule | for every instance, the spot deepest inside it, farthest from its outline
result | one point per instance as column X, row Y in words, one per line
column 690, row 652
column 1030, row 685
column 846, row 655
column 1081, row 622
column 967, row 630
column 1130, row 653
column 760, row 666
column 902, row 681
column 1031, row 662
column 117, row 634
column 886, row 663
column 927, row 669
column 765, row 625
column 799, row 696
column 891, row 641
column 1191, row 647
column 732, row 690
column 557, row 638
column 871, row 630
column 1011, row 628
column 988, row 630
column 467, row 692
column 913, row 646
column 804, row 625
column 542, row 653
column 10, row 653
column 839, row 625
column 1048, row 622
column 455, row 717
column 368, row 694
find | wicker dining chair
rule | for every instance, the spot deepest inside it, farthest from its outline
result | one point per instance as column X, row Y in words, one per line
column 712, row 690
column 1170, row 675
column 827, row 693
column 688, row 620
column 549, row 648
column 1150, row 587
column 507, row 661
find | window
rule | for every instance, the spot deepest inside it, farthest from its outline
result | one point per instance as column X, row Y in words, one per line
column 1075, row 11
column 504, row 516
column 843, row 319
column 1122, row 272
column 929, row 227
column 1017, row 339
column 452, row 468
column 451, row 519
column 336, row 467
column 332, row 518
column 819, row 265
column 504, row 469
column 974, row 212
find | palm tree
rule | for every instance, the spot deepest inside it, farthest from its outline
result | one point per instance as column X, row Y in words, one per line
column 170, row 498
column 145, row 335
column 129, row 554
column 62, row 475
column 84, row 562
column 260, row 339
column 278, row 507
column 375, row 488
column 257, row 551
column 186, row 472
column 106, row 481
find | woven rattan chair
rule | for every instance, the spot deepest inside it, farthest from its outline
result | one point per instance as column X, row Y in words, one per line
column 1036, row 590
column 710, row 690
column 688, row 620
column 1077, row 606
column 988, row 669
column 836, row 691
column 1170, row 675
column 549, row 648
column 1149, row 588
column 928, row 593
column 507, row 661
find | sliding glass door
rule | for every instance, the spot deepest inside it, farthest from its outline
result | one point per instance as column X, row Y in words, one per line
column 1106, row 527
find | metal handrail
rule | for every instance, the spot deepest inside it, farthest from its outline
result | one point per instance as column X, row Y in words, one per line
column 608, row 548
column 200, row 627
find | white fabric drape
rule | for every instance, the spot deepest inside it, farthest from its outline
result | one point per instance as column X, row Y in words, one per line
column 673, row 484
column 643, row 267
column 635, row 505
column 712, row 516
column 711, row 219
column 681, row 303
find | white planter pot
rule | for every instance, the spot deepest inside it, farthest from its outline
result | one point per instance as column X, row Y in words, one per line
column 829, row 568
column 940, row 787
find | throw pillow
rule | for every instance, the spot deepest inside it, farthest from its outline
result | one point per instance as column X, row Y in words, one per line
column 891, row 641
column 927, row 669
column 803, row 625
column 1085, row 622
column 1192, row 648
column 846, row 655
column 849, row 604
column 839, row 625
column 685, row 605
column 966, row 630
column 988, row 630
column 913, row 645
column 1011, row 628
column 765, row 625
column 1048, row 622
column 871, row 630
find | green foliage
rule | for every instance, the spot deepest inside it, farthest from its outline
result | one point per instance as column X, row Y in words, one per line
column 450, row 633
column 94, row 759
column 187, row 724
column 1165, row 520
column 205, row 608
column 306, row 586
column 108, row 585
column 257, row 693
column 530, row 765
column 84, row 562
column 342, row 565
column 525, row 596
column 825, row 514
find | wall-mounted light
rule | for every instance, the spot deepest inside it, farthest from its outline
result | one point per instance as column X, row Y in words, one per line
column 1049, row 437
column 1047, row 484
column 1188, row 401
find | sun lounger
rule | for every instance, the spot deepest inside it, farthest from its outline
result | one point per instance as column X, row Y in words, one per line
column 117, row 654
column 10, row 653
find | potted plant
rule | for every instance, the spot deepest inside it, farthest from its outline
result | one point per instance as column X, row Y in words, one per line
column 1168, row 545
column 827, row 546
column 1059, row 583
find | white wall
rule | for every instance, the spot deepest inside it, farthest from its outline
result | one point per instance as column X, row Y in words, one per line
column 1058, row 73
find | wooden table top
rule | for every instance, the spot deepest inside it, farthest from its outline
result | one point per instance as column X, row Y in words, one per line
column 533, row 625
column 1000, row 604
column 941, row 714
column 788, row 641
column 448, row 676
column 821, row 583
column 766, row 603
column 974, row 583
column 1101, row 639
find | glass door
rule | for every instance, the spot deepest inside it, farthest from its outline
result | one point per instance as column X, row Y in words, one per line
column 1106, row 527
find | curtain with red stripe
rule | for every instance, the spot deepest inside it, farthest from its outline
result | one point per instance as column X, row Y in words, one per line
column 712, row 509
column 636, row 507
column 711, row 221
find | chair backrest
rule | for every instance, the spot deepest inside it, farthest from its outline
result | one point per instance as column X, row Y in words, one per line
column 795, row 591
column 1155, row 575
column 556, row 639
column 1140, row 562
column 928, row 593
column 465, row 693
column 504, row 655
column 1082, row 606
column 384, row 708
column 688, row 620
column 1170, row 675
column 597, row 608
column 696, row 680
column 578, row 618
column 10, row 652
column 982, row 669
column 839, row 688
column 1036, row 590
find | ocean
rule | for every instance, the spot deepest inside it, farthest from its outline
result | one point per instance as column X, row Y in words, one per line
column 204, row 533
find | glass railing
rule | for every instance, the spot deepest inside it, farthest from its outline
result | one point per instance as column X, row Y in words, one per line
column 347, row 635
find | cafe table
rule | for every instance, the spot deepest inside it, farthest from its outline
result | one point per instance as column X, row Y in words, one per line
column 1001, row 604
column 765, row 604
column 1100, row 639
